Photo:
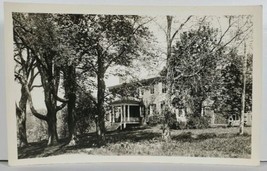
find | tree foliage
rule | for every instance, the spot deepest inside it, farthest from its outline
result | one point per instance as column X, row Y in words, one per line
column 206, row 62
column 193, row 67
column 228, row 100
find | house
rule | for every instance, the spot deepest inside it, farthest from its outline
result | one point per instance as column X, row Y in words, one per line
column 135, row 102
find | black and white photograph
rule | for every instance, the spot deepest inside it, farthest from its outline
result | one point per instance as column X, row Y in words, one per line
column 135, row 84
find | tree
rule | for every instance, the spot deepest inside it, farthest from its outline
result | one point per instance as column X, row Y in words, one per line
column 170, row 37
column 37, row 33
column 25, row 74
column 235, row 92
column 192, row 69
column 200, row 53
column 104, row 41
column 85, row 111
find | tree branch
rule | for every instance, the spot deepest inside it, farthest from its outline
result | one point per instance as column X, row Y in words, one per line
column 189, row 75
column 60, row 99
column 238, row 34
column 181, row 26
column 163, row 29
column 61, row 106
column 33, row 110
column 35, row 86
column 88, row 95
column 129, row 38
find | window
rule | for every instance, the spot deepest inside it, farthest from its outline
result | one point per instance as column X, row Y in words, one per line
column 234, row 117
column 152, row 90
column 162, row 105
column 164, row 88
column 153, row 109
column 142, row 91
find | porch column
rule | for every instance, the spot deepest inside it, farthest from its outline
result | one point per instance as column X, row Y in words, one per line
column 142, row 118
column 110, row 116
column 128, row 118
column 183, row 112
column 121, row 115
column 202, row 111
column 113, row 114
column 124, row 116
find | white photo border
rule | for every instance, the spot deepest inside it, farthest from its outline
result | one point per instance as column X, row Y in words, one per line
column 256, row 11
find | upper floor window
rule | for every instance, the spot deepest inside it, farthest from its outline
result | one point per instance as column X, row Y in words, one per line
column 152, row 89
column 142, row 91
column 162, row 105
column 153, row 108
column 164, row 88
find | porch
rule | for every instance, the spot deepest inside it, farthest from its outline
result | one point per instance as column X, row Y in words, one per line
column 126, row 112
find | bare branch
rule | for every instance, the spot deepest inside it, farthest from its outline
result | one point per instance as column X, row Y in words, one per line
column 163, row 29
column 35, row 86
column 17, row 61
column 61, row 106
column 228, row 28
column 181, row 26
column 238, row 34
column 33, row 110
column 60, row 98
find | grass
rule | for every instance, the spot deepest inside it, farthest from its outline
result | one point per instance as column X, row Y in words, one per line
column 212, row 142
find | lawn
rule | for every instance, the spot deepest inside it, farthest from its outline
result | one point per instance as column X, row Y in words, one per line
column 211, row 142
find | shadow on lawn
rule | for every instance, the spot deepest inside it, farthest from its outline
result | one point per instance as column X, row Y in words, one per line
column 40, row 149
column 113, row 137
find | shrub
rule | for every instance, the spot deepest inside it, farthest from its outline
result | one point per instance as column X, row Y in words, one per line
column 171, row 120
column 182, row 125
column 197, row 122
column 154, row 120
column 204, row 136
column 185, row 136
column 220, row 119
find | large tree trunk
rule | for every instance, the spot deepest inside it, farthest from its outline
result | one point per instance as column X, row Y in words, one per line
column 169, row 44
column 51, row 106
column 52, row 127
column 70, row 89
column 242, row 116
column 100, row 125
column 21, row 118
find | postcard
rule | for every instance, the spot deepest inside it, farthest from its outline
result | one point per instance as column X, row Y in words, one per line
column 133, row 83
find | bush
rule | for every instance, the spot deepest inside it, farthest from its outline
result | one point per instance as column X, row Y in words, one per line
column 220, row 119
column 185, row 136
column 154, row 120
column 206, row 136
column 171, row 120
column 182, row 125
column 197, row 122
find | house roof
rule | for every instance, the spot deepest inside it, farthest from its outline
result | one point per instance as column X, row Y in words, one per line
column 143, row 82
column 125, row 101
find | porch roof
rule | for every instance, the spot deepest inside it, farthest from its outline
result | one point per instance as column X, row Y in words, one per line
column 125, row 101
